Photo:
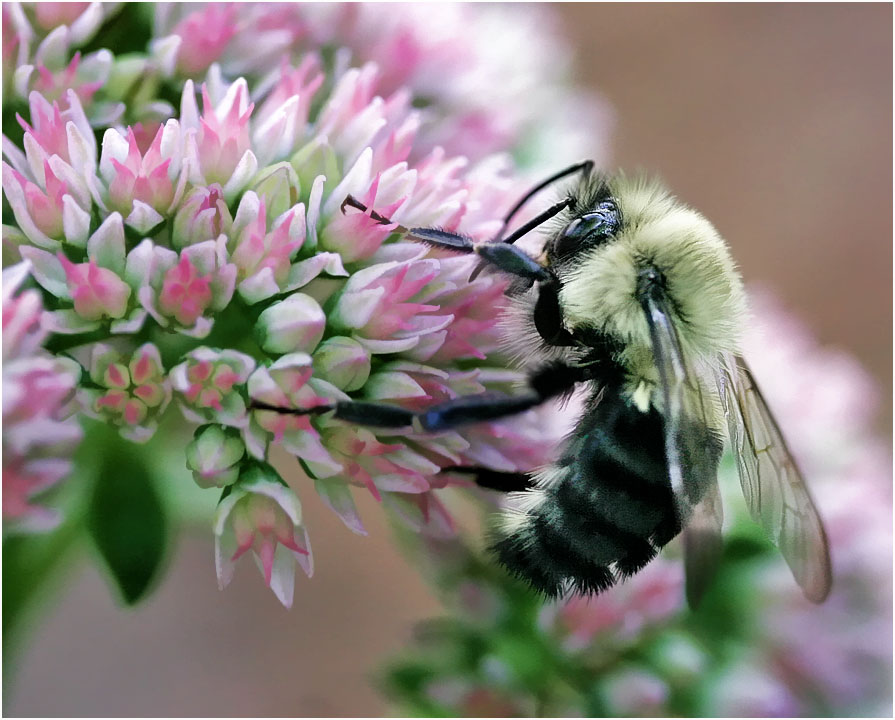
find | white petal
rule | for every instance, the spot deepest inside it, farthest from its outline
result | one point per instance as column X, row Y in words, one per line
column 336, row 495
column 199, row 330
column 306, row 561
column 355, row 309
column 143, row 217
column 246, row 214
column 392, row 386
column 107, row 245
column 66, row 322
column 282, row 579
column 301, row 273
column 15, row 156
column 380, row 347
column 164, row 52
column 75, row 222
column 21, row 79
column 279, row 493
column 13, row 277
column 203, row 256
column 245, row 170
column 314, row 209
column 354, row 182
column 259, row 286
column 87, row 23
column 53, row 49
column 129, row 324
column 171, row 147
column 47, row 270
column 115, row 147
column 81, row 150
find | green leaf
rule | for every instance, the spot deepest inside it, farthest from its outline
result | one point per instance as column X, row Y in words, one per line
column 127, row 523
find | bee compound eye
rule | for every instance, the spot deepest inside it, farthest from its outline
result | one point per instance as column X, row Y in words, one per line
column 588, row 229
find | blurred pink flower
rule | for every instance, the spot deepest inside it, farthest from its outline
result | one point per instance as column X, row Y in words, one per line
column 38, row 434
column 651, row 597
column 204, row 34
column 462, row 62
column 827, row 404
column 40, row 42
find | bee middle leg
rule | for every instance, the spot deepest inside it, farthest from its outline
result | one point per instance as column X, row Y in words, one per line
column 550, row 381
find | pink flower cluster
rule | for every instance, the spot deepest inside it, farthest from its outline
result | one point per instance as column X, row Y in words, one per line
column 217, row 228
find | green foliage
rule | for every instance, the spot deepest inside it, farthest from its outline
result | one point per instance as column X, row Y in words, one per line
column 126, row 520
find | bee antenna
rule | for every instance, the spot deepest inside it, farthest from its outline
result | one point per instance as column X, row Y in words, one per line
column 585, row 168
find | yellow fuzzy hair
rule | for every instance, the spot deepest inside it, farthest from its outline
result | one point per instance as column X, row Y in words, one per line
column 702, row 281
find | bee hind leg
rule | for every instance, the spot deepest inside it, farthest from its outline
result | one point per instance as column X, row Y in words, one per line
column 497, row 480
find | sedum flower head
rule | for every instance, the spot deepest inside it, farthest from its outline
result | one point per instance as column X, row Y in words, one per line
column 197, row 258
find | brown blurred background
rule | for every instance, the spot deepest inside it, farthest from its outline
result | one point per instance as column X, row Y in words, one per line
column 774, row 120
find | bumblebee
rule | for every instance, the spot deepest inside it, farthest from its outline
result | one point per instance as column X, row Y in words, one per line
column 636, row 299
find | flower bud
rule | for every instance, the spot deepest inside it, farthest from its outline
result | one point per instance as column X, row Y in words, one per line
column 214, row 456
column 295, row 324
column 202, row 216
column 343, row 362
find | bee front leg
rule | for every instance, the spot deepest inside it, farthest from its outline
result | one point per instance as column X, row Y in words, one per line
column 502, row 255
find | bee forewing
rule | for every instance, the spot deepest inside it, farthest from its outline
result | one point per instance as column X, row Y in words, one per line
column 775, row 491
column 702, row 544
column 692, row 448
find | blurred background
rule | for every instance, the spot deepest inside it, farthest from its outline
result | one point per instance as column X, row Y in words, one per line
column 773, row 120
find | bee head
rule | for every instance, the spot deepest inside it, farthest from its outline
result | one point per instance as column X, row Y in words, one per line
column 657, row 239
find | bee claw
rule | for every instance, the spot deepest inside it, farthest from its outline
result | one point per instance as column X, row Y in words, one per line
column 477, row 270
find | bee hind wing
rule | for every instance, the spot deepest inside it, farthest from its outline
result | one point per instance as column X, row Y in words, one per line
column 776, row 494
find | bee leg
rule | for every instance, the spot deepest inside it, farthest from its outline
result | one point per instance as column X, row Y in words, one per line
column 494, row 479
column 505, row 257
column 508, row 257
column 502, row 255
column 359, row 413
column 550, row 381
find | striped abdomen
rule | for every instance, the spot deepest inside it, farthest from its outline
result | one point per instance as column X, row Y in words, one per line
column 602, row 512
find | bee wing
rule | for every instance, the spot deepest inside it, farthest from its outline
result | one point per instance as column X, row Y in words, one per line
column 702, row 544
column 775, row 491
column 692, row 450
